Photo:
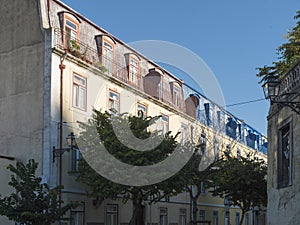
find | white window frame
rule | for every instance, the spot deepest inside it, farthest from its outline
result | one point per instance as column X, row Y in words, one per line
column 215, row 217
column 108, row 55
column 163, row 216
column 160, row 90
column 202, row 188
column 237, row 218
column 114, row 102
column 165, row 123
column 184, row 133
column 182, row 216
column 71, row 30
column 79, row 89
column 76, row 156
column 78, row 216
column 227, row 218
column 143, row 108
column 176, row 91
column 203, row 143
column 134, row 70
column 112, row 214
column 201, row 214
column 247, row 219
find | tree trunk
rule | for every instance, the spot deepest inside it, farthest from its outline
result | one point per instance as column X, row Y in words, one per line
column 194, row 209
column 242, row 218
column 194, row 195
column 138, row 215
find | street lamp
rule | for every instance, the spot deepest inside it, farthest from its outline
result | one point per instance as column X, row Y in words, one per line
column 271, row 92
column 71, row 142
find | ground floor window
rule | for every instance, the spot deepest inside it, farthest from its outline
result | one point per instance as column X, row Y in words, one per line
column 202, row 215
column 112, row 214
column 182, row 216
column 163, row 216
column 77, row 216
column 215, row 218
column 227, row 218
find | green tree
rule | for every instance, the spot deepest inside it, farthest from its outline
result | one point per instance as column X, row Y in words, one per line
column 101, row 188
column 288, row 53
column 242, row 180
column 33, row 203
column 195, row 181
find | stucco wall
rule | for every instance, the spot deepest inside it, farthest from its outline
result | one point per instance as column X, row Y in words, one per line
column 284, row 203
column 21, row 74
column 21, row 84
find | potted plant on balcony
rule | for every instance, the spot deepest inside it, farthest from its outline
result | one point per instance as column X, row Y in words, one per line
column 83, row 56
column 74, row 48
column 102, row 68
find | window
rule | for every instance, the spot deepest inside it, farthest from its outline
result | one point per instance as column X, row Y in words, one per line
column 227, row 218
column 202, row 188
column 227, row 201
column 79, row 92
column 165, row 124
column 76, row 156
column 238, row 153
column 77, row 216
column 114, row 102
column 160, row 91
column 216, row 150
column 71, row 30
column 134, row 68
column 192, row 134
column 142, row 110
column 176, row 95
column 163, row 216
column 112, row 214
column 202, row 143
column 108, row 55
column 215, row 218
column 183, row 133
column 182, row 216
column 231, row 127
column 201, row 215
column 247, row 221
column 284, row 157
column 237, row 218
column 228, row 148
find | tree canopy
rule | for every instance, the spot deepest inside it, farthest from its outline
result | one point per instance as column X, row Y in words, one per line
column 242, row 181
column 101, row 188
column 288, row 53
column 33, row 202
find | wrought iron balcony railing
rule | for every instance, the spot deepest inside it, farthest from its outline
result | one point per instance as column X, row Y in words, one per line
column 112, row 67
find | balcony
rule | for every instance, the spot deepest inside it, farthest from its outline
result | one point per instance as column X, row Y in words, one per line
column 157, row 87
column 109, row 67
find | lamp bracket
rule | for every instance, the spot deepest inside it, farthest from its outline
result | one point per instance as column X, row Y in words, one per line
column 295, row 106
column 56, row 152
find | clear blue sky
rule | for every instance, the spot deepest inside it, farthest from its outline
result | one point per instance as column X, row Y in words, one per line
column 233, row 37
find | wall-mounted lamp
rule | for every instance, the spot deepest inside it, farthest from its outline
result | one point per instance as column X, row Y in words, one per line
column 71, row 142
column 271, row 92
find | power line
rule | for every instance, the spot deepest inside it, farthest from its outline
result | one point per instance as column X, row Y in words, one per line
column 243, row 103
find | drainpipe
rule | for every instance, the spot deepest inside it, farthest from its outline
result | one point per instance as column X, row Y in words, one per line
column 61, row 67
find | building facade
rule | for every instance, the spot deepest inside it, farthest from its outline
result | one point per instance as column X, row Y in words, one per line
column 284, row 152
column 54, row 60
